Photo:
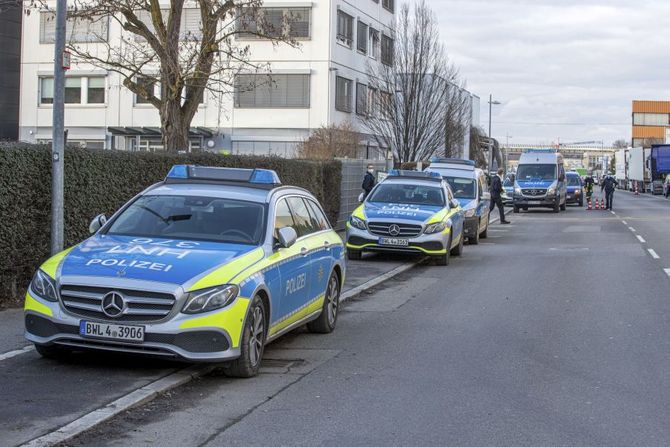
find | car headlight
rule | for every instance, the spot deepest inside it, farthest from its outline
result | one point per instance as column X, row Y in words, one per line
column 517, row 191
column 357, row 222
column 211, row 298
column 578, row 191
column 435, row 228
column 470, row 213
column 551, row 191
column 43, row 286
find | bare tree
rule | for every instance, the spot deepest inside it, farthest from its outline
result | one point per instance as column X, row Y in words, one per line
column 620, row 144
column 477, row 147
column 328, row 142
column 158, row 52
column 458, row 119
column 412, row 83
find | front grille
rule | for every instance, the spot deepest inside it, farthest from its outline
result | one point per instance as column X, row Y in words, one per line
column 406, row 230
column 86, row 301
column 534, row 192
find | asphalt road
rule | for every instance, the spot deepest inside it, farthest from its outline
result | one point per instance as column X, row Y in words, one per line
column 39, row 396
column 554, row 332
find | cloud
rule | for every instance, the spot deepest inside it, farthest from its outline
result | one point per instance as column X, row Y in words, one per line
column 577, row 64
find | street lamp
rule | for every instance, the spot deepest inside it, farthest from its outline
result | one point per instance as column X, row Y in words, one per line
column 491, row 104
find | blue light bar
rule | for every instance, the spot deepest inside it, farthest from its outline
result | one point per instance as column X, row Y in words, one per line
column 216, row 174
column 426, row 175
column 453, row 161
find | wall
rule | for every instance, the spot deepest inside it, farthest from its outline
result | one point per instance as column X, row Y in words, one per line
column 352, row 179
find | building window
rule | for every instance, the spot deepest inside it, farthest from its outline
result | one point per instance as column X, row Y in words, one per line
column 190, row 27
column 373, row 101
column 149, row 85
column 374, row 43
column 78, row 30
column 46, row 90
column 72, row 90
column 387, row 50
column 96, row 90
column 275, row 22
column 361, row 99
column 388, row 4
column 272, row 91
column 651, row 119
column 343, row 94
column 345, row 28
column 362, row 37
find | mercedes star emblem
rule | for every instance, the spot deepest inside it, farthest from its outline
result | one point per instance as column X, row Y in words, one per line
column 394, row 230
column 113, row 304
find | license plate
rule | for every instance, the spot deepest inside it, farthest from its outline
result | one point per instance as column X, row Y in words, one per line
column 534, row 202
column 394, row 241
column 111, row 331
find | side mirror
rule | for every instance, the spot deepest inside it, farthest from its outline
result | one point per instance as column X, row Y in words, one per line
column 98, row 222
column 486, row 196
column 361, row 197
column 287, row 236
column 454, row 204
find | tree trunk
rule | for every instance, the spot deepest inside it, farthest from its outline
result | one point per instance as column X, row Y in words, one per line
column 174, row 126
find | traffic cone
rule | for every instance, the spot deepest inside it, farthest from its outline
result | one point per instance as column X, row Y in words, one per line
column 602, row 204
column 637, row 189
column 590, row 206
column 597, row 205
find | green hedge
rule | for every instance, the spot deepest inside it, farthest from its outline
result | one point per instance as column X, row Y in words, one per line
column 100, row 182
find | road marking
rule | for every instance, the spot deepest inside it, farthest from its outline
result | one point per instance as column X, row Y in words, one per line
column 641, row 239
column 613, row 212
column 653, row 254
column 624, row 222
column 667, row 271
column 632, row 229
column 10, row 354
column 349, row 294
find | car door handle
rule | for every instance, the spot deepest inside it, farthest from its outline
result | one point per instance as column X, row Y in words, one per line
column 327, row 245
column 303, row 251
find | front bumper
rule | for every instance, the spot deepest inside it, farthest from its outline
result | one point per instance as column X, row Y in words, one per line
column 429, row 244
column 572, row 197
column 535, row 202
column 48, row 323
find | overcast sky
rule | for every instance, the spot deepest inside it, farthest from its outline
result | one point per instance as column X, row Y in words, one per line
column 559, row 61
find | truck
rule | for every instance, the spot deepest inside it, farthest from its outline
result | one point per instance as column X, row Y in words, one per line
column 638, row 172
column 659, row 166
column 621, row 173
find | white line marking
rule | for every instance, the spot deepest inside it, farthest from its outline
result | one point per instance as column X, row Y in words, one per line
column 624, row 222
column 613, row 212
column 130, row 400
column 653, row 254
column 349, row 294
column 632, row 229
column 10, row 354
column 667, row 271
column 641, row 239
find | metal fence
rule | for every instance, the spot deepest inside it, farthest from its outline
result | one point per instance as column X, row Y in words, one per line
column 353, row 172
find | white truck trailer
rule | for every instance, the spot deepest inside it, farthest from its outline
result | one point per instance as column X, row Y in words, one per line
column 638, row 169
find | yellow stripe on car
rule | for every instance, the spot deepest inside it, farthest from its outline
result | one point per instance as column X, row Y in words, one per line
column 428, row 252
column 33, row 305
column 359, row 212
column 225, row 274
column 50, row 266
column 230, row 318
column 310, row 308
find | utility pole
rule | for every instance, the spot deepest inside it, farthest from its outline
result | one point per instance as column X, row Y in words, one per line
column 491, row 104
column 58, row 138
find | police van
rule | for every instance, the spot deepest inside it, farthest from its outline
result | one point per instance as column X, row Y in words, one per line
column 209, row 265
column 470, row 188
column 540, row 181
column 409, row 212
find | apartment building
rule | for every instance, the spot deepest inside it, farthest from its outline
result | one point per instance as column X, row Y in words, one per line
column 322, row 81
column 10, row 61
column 651, row 123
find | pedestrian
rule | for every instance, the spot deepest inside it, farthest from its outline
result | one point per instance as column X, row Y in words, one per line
column 368, row 181
column 667, row 186
column 496, row 195
column 609, row 185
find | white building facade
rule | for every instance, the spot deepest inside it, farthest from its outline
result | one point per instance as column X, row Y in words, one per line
column 322, row 81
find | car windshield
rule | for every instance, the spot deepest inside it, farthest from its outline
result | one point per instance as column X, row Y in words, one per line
column 463, row 188
column 192, row 218
column 534, row 172
column 573, row 180
column 408, row 194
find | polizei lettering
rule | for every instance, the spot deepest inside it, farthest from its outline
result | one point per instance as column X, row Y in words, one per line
column 157, row 266
column 163, row 249
column 295, row 284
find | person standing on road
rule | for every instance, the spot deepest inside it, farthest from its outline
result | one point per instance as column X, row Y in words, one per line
column 496, row 195
column 369, row 180
column 609, row 185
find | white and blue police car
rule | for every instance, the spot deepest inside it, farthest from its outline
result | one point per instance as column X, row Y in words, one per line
column 208, row 265
column 409, row 212
column 470, row 188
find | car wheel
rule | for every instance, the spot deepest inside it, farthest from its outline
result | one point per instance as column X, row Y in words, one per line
column 327, row 320
column 52, row 351
column 485, row 233
column 474, row 240
column 557, row 207
column 516, row 209
column 354, row 255
column 458, row 250
column 252, row 344
column 444, row 259
column 564, row 206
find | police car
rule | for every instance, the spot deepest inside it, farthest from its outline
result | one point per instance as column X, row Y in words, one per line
column 470, row 188
column 409, row 212
column 209, row 265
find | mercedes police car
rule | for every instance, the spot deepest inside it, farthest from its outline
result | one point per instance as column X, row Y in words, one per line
column 409, row 212
column 470, row 188
column 209, row 265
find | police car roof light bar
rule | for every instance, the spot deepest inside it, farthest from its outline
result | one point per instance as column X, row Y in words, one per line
column 452, row 161
column 435, row 176
column 253, row 177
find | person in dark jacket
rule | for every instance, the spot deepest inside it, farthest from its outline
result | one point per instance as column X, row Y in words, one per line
column 369, row 180
column 496, row 195
column 609, row 185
